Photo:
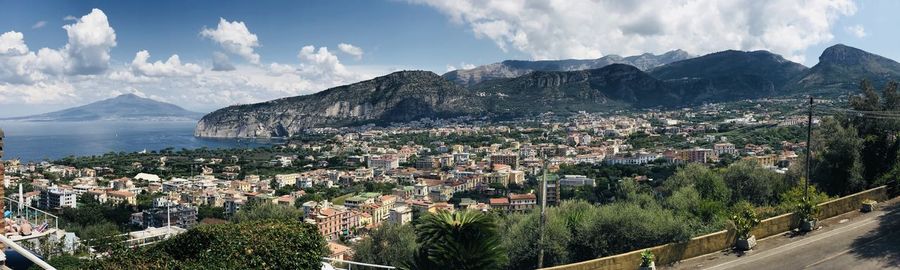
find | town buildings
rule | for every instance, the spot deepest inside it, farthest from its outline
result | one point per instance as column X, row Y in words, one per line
column 56, row 197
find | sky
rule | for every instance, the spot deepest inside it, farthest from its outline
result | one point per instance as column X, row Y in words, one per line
column 205, row 55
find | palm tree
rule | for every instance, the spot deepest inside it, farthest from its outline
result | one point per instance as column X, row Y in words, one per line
column 461, row 240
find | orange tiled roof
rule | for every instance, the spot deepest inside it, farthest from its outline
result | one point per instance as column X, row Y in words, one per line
column 495, row 201
column 514, row 196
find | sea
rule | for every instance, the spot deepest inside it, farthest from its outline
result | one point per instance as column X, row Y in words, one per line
column 39, row 141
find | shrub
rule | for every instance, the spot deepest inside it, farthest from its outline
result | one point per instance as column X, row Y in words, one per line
column 808, row 210
column 744, row 219
column 790, row 199
column 646, row 258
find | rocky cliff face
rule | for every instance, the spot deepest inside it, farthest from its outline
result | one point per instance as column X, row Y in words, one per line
column 515, row 68
column 571, row 91
column 397, row 97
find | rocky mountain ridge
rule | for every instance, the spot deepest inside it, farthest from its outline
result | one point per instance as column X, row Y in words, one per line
column 410, row 95
column 515, row 68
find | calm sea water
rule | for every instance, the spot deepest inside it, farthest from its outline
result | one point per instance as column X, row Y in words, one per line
column 35, row 141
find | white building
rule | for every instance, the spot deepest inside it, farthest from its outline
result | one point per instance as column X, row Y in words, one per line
column 384, row 162
column 638, row 159
column 576, row 180
column 724, row 148
column 147, row 177
column 57, row 197
column 284, row 180
column 400, row 215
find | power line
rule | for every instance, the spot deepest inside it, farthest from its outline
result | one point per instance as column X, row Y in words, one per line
column 886, row 115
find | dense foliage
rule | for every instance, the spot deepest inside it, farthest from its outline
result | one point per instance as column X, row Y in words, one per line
column 389, row 244
column 252, row 245
column 267, row 211
column 859, row 149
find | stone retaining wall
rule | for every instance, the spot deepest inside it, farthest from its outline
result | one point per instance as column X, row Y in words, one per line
column 722, row 240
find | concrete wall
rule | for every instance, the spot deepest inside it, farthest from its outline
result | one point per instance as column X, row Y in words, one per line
column 722, row 240
column 851, row 202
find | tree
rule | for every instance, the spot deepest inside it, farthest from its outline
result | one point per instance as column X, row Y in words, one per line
column 837, row 164
column 64, row 262
column 750, row 181
column 207, row 211
column 879, row 151
column 102, row 237
column 459, row 240
column 389, row 244
column 687, row 200
column 797, row 194
column 627, row 226
column 522, row 236
column 709, row 184
column 267, row 211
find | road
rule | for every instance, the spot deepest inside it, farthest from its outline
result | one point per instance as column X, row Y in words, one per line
column 866, row 241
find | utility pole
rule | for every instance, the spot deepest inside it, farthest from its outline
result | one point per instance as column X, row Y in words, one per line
column 2, row 185
column 168, row 216
column 808, row 148
column 543, row 214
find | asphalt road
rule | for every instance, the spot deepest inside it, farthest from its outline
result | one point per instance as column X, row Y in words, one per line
column 868, row 241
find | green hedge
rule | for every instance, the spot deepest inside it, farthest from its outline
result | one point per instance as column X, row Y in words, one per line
column 253, row 245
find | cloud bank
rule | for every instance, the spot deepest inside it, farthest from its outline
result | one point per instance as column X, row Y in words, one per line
column 590, row 29
column 80, row 71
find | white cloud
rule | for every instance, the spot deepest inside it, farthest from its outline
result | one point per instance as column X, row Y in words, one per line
column 13, row 43
column 80, row 71
column 69, row 18
column 19, row 65
column 589, row 29
column 321, row 63
column 56, row 92
column 235, row 38
column 221, row 62
column 39, row 24
column 279, row 69
column 170, row 68
column 351, row 50
column 90, row 40
column 86, row 52
column 856, row 30
column 462, row 65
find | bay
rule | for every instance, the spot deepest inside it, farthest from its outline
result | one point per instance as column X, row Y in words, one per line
column 37, row 141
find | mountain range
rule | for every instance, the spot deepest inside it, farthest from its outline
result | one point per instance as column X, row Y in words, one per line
column 396, row 97
column 840, row 69
column 515, row 68
column 122, row 107
column 410, row 95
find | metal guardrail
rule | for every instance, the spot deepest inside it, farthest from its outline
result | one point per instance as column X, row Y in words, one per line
column 152, row 238
column 35, row 216
column 337, row 264
column 131, row 240
column 26, row 253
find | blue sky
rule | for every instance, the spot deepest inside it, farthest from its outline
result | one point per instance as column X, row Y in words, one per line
column 393, row 33
column 97, row 56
